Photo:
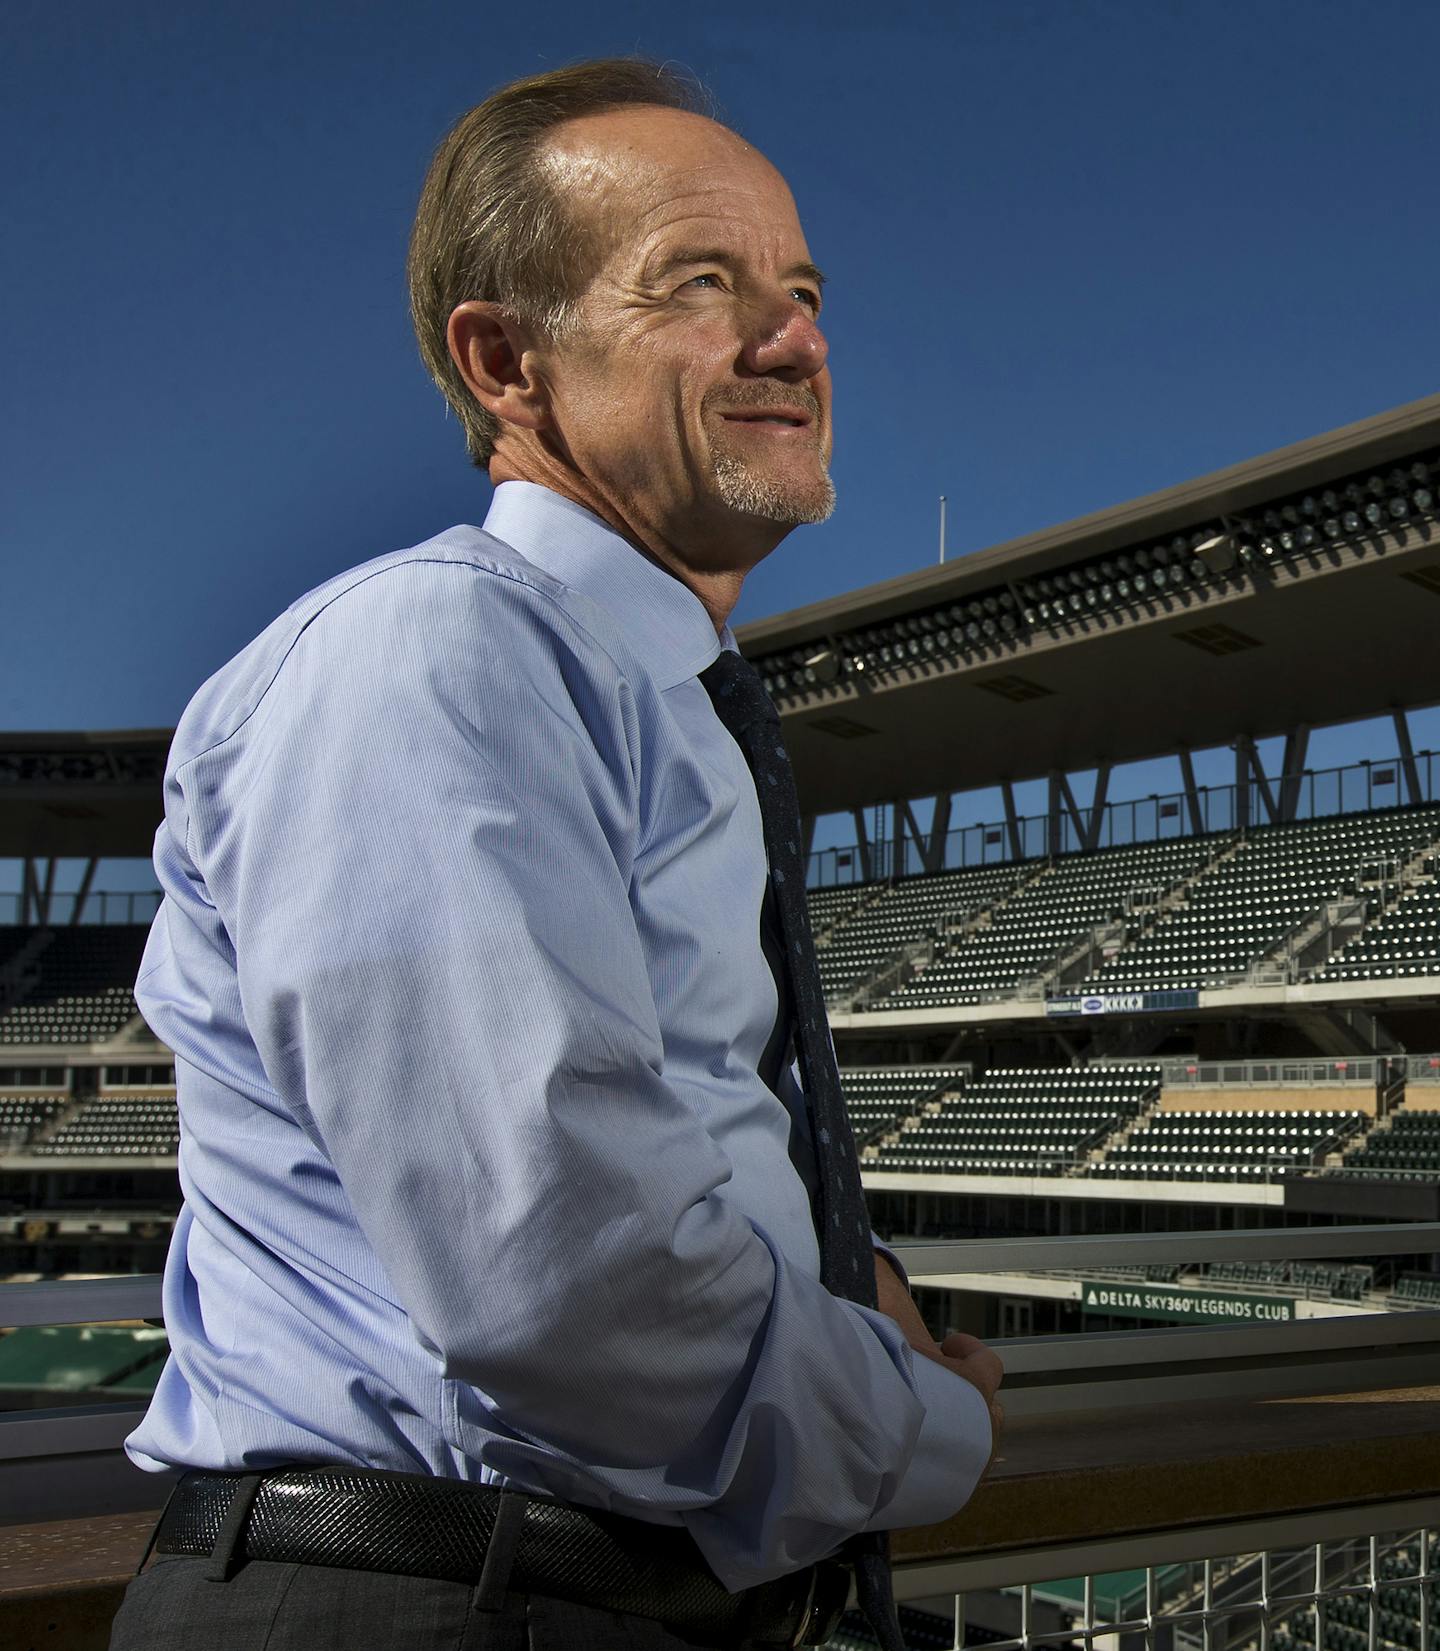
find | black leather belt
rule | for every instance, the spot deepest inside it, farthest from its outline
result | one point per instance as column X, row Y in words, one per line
column 414, row 1525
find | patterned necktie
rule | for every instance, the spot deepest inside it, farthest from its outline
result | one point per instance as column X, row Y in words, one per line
column 847, row 1266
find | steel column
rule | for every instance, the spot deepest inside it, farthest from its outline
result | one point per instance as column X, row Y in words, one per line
column 1198, row 822
column 1407, row 756
column 862, row 844
column 1097, row 807
column 88, row 877
column 1012, row 821
column 1292, row 772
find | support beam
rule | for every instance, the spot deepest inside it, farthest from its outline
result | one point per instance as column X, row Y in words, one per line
column 939, row 831
column 88, row 877
column 1408, row 766
column 1242, row 786
column 1064, row 797
column 1097, row 807
column 1198, row 822
column 930, row 845
column 1012, row 821
column 1248, row 766
column 1292, row 772
column 35, row 895
column 862, row 845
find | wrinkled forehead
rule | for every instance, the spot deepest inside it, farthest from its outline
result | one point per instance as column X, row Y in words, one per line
column 634, row 175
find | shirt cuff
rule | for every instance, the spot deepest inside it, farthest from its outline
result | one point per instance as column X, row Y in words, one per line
column 951, row 1452
column 890, row 1256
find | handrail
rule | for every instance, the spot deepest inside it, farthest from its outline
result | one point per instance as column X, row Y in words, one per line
column 933, row 1257
column 1290, row 1071
column 137, row 1296
column 80, row 1300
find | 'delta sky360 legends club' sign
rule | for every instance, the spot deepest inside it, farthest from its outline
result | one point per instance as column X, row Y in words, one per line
column 1177, row 1305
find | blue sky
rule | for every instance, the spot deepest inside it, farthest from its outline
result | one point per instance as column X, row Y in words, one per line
column 1078, row 250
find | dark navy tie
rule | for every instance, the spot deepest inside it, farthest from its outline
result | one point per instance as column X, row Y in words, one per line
column 847, row 1266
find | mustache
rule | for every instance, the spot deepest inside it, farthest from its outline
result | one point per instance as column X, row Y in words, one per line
column 760, row 394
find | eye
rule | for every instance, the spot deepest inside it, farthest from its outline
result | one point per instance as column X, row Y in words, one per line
column 694, row 278
column 809, row 297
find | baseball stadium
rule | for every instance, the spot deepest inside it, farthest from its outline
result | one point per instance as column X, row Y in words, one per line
column 1145, row 1088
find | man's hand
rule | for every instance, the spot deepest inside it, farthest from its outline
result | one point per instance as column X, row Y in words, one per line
column 967, row 1356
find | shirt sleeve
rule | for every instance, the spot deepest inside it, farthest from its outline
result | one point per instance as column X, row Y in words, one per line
column 426, row 879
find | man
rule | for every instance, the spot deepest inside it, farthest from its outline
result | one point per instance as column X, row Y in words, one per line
column 497, row 1169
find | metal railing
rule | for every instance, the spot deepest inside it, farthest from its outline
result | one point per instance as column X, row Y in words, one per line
column 1193, row 1605
column 99, row 906
column 1358, row 788
column 1044, row 1374
column 1235, row 1567
column 1310, row 1074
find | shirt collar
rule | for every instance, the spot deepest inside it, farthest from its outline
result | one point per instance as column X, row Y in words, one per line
column 665, row 623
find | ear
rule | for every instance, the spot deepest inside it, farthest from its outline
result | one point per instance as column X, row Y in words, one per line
column 494, row 353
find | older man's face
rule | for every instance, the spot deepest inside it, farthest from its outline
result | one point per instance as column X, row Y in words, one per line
column 694, row 394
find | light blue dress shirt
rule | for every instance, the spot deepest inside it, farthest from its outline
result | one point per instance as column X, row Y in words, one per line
column 460, row 960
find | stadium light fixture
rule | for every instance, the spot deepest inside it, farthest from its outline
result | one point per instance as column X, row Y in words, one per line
column 1283, row 529
column 825, row 665
column 1217, row 553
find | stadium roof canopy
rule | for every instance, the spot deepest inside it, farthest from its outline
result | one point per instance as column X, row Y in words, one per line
column 82, row 795
column 1295, row 590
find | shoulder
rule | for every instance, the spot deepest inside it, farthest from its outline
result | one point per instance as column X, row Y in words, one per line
column 461, row 617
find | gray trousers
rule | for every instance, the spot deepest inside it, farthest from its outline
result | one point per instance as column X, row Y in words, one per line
column 171, row 1606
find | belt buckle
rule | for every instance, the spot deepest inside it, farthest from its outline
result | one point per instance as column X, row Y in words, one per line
column 824, row 1604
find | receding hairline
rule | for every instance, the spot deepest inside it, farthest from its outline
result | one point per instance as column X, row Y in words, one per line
column 591, row 147
column 580, row 157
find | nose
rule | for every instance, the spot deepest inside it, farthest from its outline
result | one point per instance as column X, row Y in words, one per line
column 786, row 343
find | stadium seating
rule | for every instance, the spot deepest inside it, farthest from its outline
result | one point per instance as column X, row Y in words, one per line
column 1228, row 1145
column 81, row 989
column 23, row 1116
column 130, row 1126
column 887, row 919
column 1403, row 942
column 1347, row 1283
column 1023, row 1121
column 1347, row 1616
column 829, row 907
column 1054, row 908
column 1232, row 900
column 1407, row 1143
column 1418, row 1287
column 878, row 1097
column 1278, row 877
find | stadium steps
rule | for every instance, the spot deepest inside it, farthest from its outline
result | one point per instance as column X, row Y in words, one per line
column 70, row 1111
column 1413, row 877
column 905, row 964
column 1121, row 1137
column 823, row 936
column 134, row 1031
column 1378, row 1131
column 1231, row 844
column 956, row 933
column 1281, row 960
column 911, row 960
